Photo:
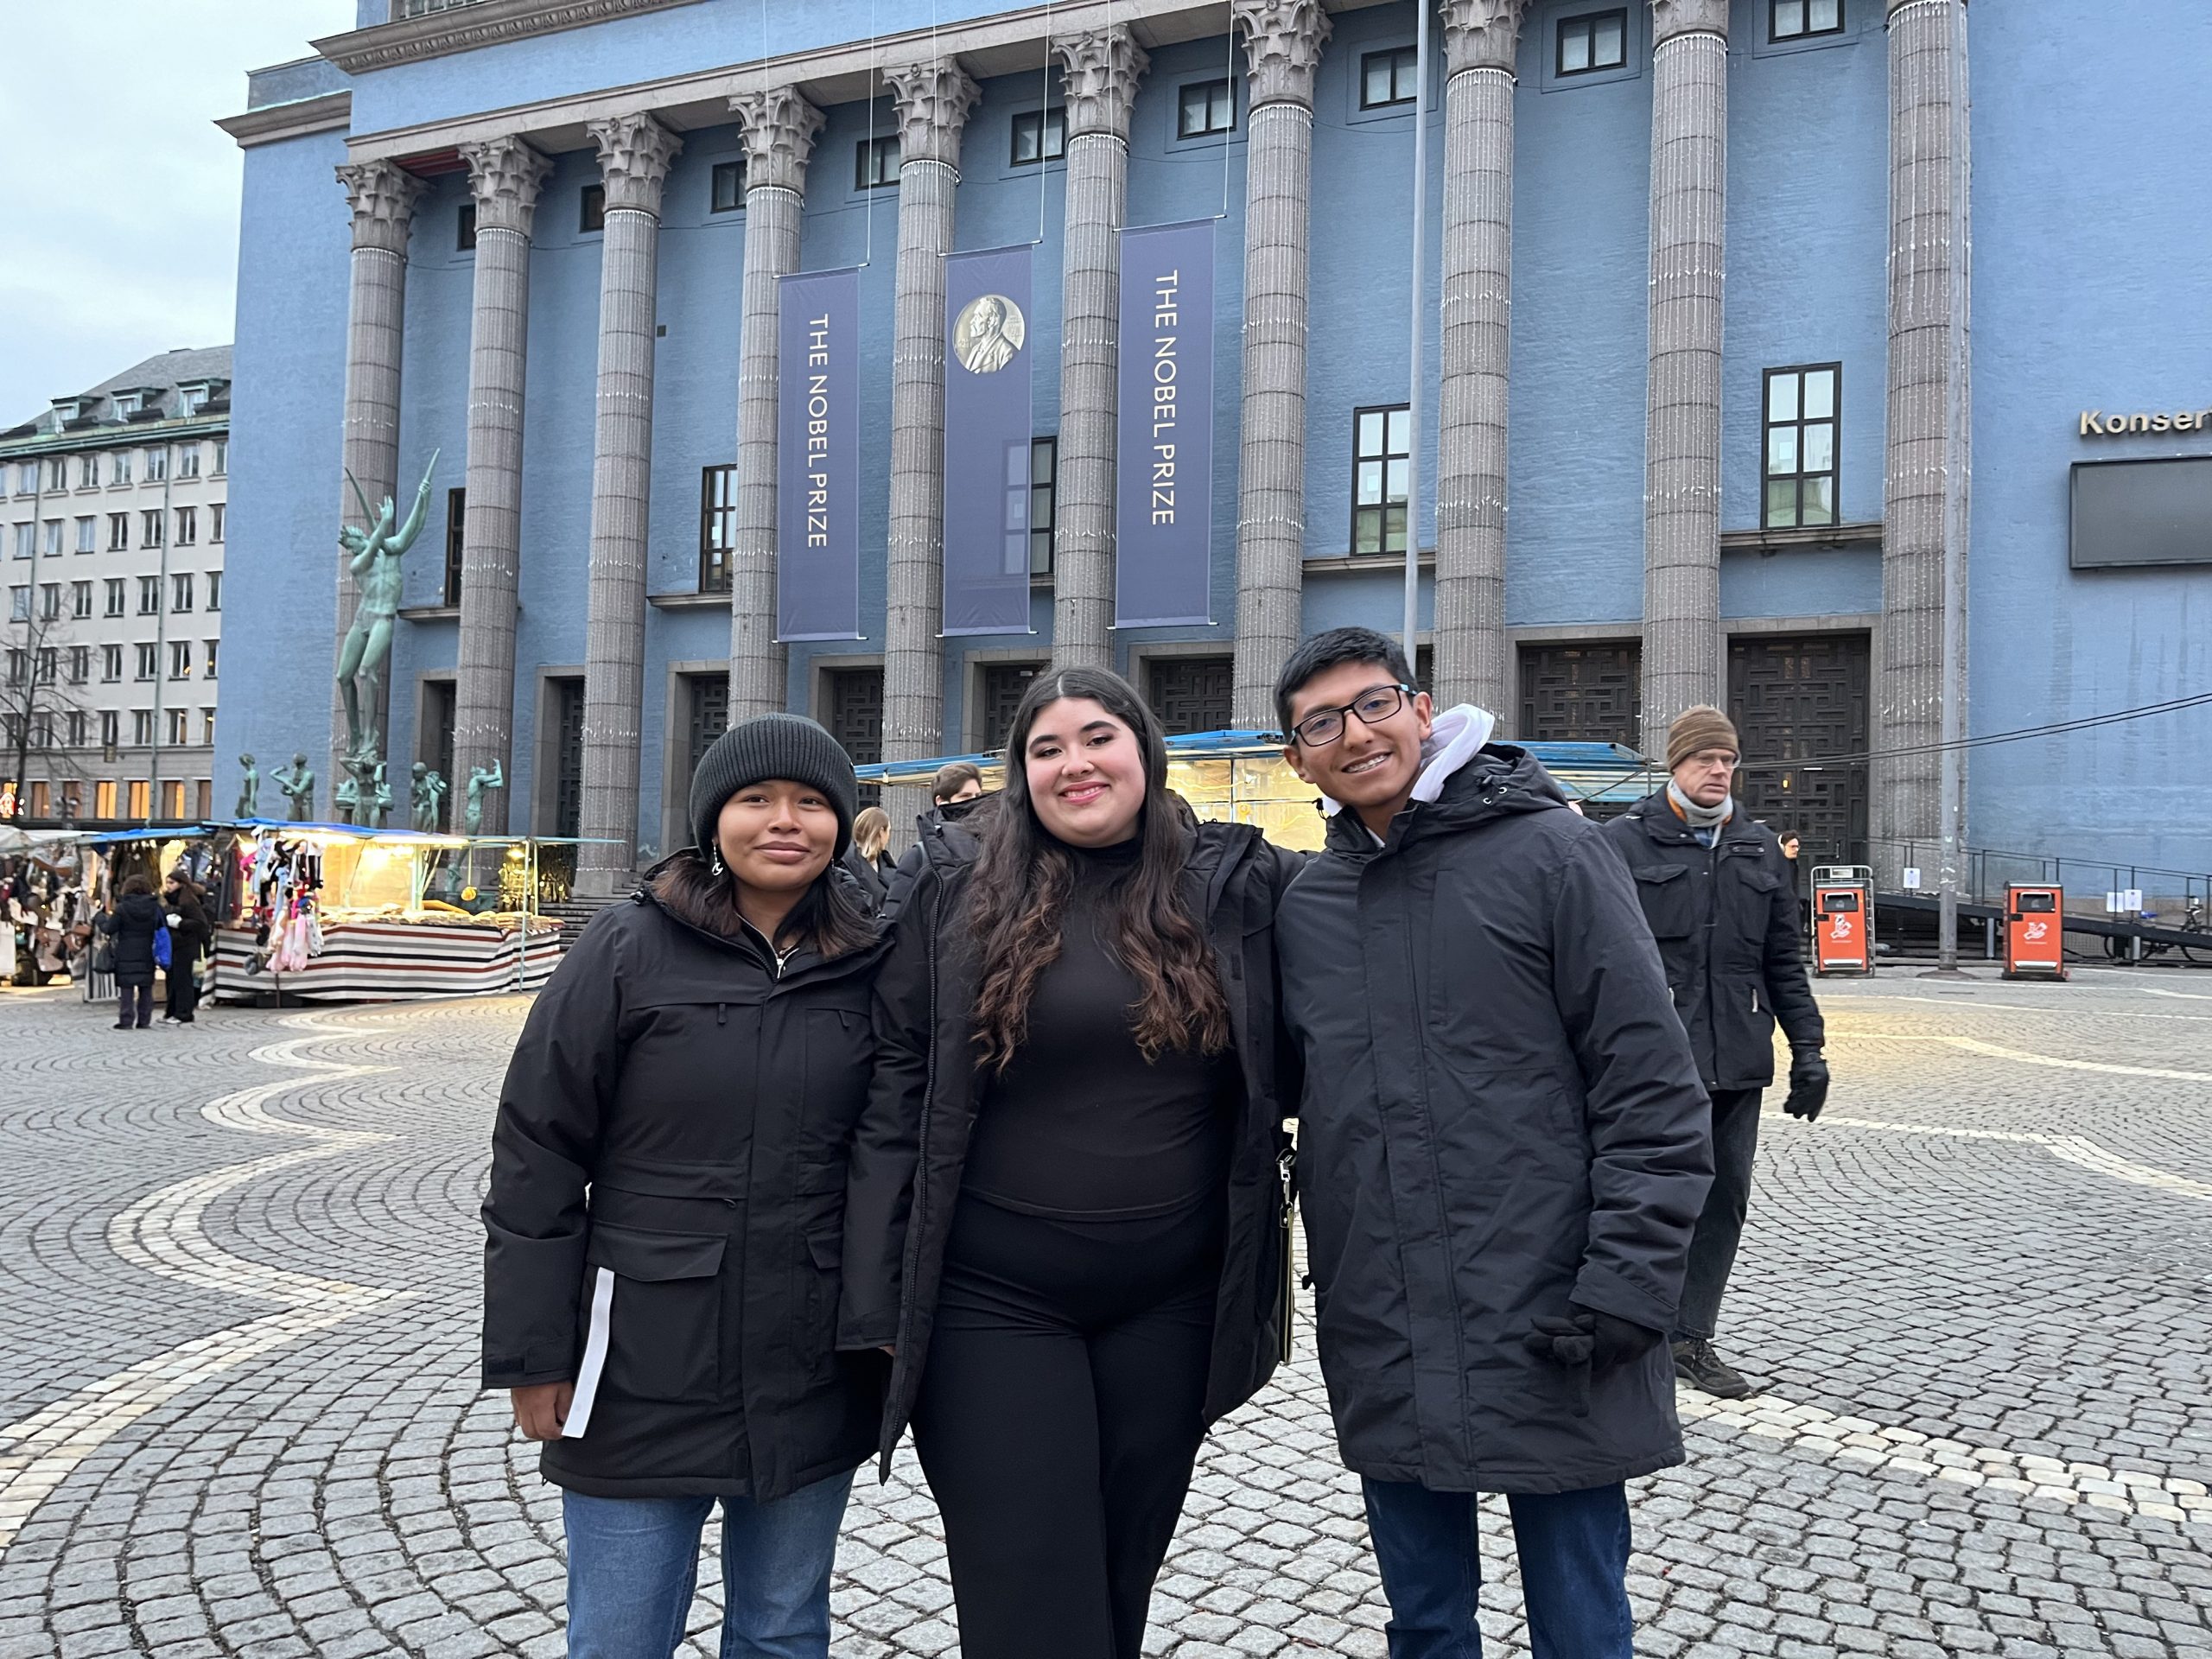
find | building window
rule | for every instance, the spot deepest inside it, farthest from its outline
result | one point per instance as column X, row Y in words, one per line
column 57, row 472
column 1598, row 40
column 110, row 664
column 180, row 591
column 80, row 599
column 1382, row 449
column 142, row 735
column 78, row 731
column 725, row 188
column 188, row 526
column 1043, row 493
column 49, row 664
column 120, row 473
column 88, row 472
column 26, row 478
column 456, row 535
column 115, row 596
column 1039, row 136
column 142, row 792
column 212, row 649
column 54, row 536
column 149, row 660
column 80, row 665
column 19, row 667
column 111, row 735
column 179, row 659
column 464, row 230
column 1206, row 106
column 49, row 601
column 1793, row 20
column 215, row 521
column 88, row 535
column 149, row 527
column 157, row 465
column 26, row 540
column 119, row 532
column 19, row 604
column 875, row 162
column 214, row 590
column 188, row 459
column 717, row 526
column 180, row 734
column 591, row 212
column 1800, row 446
column 222, row 461
column 206, row 729
column 1388, row 78
column 150, row 595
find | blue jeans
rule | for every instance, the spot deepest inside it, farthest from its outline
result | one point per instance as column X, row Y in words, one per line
column 1573, row 1549
column 633, row 1563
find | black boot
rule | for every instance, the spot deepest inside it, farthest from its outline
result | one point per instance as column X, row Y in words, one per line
column 1696, row 1365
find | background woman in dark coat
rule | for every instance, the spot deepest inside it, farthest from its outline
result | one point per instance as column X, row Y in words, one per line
column 189, row 937
column 666, row 1210
column 868, row 859
column 133, row 924
column 1066, row 1217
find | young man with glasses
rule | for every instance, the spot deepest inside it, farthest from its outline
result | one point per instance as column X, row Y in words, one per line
column 1502, row 1150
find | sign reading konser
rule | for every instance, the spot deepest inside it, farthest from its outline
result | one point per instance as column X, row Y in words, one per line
column 2095, row 423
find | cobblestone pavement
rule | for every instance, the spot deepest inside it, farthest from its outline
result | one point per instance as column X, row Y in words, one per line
column 238, row 1308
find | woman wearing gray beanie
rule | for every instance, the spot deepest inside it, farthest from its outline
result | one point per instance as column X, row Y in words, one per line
column 666, row 1210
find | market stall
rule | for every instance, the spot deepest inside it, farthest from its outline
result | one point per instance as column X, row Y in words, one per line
column 1241, row 778
column 112, row 857
column 335, row 912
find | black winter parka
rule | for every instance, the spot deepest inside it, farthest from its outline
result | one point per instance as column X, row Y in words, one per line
column 912, row 1145
column 1727, row 921
column 679, row 1112
column 1501, row 1122
column 133, row 922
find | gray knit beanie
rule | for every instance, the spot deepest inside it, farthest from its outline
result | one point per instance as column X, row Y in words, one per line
column 789, row 746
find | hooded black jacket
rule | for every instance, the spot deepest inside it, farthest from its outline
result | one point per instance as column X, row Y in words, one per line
column 679, row 1112
column 1725, row 919
column 913, row 1141
column 135, row 920
column 1501, row 1122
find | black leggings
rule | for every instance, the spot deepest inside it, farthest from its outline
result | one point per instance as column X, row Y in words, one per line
column 1060, row 1418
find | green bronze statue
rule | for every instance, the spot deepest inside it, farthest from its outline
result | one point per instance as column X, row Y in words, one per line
column 375, row 554
column 428, row 795
column 298, row 787
column 249, row 788
column 479, row 779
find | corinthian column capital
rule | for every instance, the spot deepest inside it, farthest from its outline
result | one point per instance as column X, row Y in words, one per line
column 382, row 197
column 1672, row 17
column 932, row 101
column 504, row 175
column 780, row 128
column 1482, row 34
column 1103, row 67
column 1282, row 40
column 634, row 153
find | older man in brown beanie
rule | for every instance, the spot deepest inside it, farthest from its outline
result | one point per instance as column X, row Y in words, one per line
column 1716, row 892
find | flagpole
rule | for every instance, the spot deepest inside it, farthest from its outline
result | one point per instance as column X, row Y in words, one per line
column 1414, row 356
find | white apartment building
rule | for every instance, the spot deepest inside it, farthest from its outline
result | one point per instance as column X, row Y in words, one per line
column 111, row 537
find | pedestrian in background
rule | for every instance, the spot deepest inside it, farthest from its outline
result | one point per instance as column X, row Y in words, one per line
column 666, row 1211
column 131, row 925
column 867, row 859
column 190, row 935
column 1790, row 847
column 1067, row 1210
column 1722, row 902
column 955, row 793
column 1502, row 1151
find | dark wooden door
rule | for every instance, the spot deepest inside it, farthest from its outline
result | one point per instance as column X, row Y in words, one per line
column 1003, row 685
column 1581, row 692
column 1190, row 694
column 855, row 711
column 707, row 715
column 568, row 774
column 1797, row 697
column 438, row 719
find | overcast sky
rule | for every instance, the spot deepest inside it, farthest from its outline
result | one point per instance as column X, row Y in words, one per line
column 119, row 213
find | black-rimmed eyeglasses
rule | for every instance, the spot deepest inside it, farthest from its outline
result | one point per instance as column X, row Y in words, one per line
column 1373, row 706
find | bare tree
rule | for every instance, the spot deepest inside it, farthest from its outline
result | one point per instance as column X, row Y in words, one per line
column 38, row 694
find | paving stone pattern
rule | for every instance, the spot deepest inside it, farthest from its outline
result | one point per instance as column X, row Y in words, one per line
column 238, row 1312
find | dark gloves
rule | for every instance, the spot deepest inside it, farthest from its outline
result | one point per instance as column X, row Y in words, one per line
column 1585, row 1338
column 1809, row 1084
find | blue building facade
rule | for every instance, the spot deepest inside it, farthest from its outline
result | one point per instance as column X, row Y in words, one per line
column 2089, row 305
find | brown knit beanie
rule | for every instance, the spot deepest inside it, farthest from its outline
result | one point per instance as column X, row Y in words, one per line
column 1698, row 729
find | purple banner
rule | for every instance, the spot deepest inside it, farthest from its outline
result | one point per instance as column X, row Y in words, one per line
column 1163, row 522
column 818, row 458
column 987, row 437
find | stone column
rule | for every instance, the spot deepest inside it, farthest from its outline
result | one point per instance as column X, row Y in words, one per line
column 1683, row 663
column 780, row 128
column 1283, row 40
column 1103, row 67
column 1925, row 476
column 634, row 153
column 382, row 197
column 1480, row 38
column 932, row 101
column 504, row 175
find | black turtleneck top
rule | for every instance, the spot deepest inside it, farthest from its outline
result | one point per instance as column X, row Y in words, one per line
column 1080, row 1125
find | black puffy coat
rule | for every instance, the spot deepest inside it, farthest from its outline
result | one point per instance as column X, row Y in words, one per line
column 134, row 921
column 1500, row 1122
column 190, row 938
column 913, row 1144
column 679, row 1112
column 1727, row 921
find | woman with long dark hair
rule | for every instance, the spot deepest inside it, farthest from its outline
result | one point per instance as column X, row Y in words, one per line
column 1065, row 1213
column 133, row 923
column 666, row 1208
